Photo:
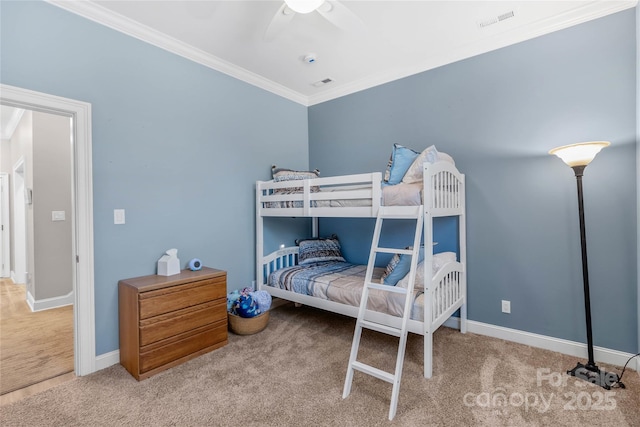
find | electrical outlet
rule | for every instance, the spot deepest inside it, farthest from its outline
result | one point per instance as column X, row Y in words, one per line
column 506, row 306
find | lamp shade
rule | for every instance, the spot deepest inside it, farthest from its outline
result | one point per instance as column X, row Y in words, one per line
column 303, row 6
column 579, row 154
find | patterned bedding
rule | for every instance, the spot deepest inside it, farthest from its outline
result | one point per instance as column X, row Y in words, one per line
column 341, row 282
column 392, row 195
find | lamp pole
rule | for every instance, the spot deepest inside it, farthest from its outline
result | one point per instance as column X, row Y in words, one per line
column 579, row 171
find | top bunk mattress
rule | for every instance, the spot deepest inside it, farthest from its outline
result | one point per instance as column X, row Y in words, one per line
column 361, row 195
column 391, row 195
column 431, row 180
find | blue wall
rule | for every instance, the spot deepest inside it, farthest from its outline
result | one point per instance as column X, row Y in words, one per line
column 178, row 145
column 498, row 114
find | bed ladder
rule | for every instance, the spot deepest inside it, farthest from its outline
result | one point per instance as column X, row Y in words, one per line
column 386, row 212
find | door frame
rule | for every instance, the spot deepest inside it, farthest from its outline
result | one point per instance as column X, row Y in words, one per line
column 5, row 220
column 20, row 242
column 83, row 277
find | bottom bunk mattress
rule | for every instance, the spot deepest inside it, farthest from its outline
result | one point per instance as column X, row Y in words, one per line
column 342, row 282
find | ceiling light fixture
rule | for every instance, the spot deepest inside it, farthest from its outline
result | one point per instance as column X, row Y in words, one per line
column 304, row 6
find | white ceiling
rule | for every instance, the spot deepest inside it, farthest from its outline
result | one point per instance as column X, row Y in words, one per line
column 397, row 39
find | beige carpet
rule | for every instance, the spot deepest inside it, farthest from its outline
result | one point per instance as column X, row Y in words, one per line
column 292, row 374
column 33, row 346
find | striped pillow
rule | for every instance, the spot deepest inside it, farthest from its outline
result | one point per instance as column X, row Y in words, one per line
column 317, row 250
column 282, row 174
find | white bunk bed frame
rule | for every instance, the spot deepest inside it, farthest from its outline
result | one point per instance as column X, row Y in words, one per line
column 444, row 195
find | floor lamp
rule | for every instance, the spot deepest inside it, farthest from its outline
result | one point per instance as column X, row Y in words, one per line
column 578, row 156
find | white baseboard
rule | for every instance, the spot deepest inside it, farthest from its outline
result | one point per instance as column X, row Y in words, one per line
column 571, row 348
column 107, row 359
column 49, row 303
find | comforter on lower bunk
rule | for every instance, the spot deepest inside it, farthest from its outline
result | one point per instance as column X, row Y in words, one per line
column 342, row 282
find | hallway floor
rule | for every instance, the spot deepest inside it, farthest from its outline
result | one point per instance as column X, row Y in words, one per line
column 34, row 347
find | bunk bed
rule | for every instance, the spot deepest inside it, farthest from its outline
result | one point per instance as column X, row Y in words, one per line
column 440, row 284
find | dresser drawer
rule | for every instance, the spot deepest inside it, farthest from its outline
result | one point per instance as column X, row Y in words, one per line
column 174, row 323
column 174, row 298
column 157, row 354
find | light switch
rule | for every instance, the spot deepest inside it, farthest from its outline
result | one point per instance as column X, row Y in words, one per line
column 57, row 215
column 118, row 216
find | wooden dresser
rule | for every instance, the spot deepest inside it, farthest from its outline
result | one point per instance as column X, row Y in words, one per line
column 167, row 320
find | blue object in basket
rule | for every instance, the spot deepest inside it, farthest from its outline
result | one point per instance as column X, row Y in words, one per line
column 263, row 299
column 232, row 298
column 246, row 306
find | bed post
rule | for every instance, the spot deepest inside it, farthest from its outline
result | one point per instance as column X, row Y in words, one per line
column 462, row 227
column 428, row 352
column 428, row 293
column 315, row 231
column 428, row 276
column 259, row 238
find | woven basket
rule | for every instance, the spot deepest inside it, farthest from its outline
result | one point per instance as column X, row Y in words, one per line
column 248, row 325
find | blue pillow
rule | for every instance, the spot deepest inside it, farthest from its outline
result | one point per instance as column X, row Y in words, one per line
column 400, row 267
column 400, row 161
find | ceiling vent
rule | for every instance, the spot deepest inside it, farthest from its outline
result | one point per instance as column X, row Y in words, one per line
column 496, row 19
column 323, row 82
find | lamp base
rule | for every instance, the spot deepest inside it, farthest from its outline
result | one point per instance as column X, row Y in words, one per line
column 594, row 375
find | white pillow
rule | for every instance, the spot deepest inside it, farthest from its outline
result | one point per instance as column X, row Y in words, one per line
column 445, row 157
column 414, row 173
column 439, row 260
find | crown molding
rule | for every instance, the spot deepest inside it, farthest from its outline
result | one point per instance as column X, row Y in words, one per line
column 588, row 12
column 115, row 21
column 108, row 18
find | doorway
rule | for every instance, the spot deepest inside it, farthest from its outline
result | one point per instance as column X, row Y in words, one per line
column 5, row 241
column 19, row 273
column 82, row 218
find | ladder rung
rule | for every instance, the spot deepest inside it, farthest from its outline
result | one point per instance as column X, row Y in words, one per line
column 389, row 330
column 400, row 212
column 395, row 251
column 387, row 288
column 367, row 369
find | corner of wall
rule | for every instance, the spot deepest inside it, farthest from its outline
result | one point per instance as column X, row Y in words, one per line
column 638, row 167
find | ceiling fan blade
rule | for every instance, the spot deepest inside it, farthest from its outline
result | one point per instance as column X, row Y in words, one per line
column 341, row 16
column 280, row 20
